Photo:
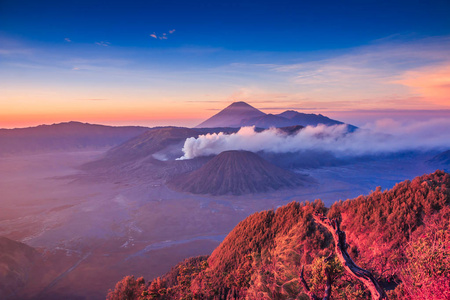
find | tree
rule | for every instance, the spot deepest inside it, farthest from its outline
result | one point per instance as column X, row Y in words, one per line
column 127, row 289
column 341, row 246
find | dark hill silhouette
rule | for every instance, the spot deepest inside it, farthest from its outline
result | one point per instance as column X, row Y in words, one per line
column 308, row 119
column 65, row 137
column 443, row 158
column 144, row 145
column 267, row 121
column 237, row 173
column 149, row 156
column 27, row 272
column 291, row 129
column 16, row 262
column 240, row 114
column 232, row 116
column 399, row 233
column 151, row 142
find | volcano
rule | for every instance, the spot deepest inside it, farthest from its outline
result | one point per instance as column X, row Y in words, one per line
column 236, row 173
column 143, row 146
column 240, row 114
column 232, row 116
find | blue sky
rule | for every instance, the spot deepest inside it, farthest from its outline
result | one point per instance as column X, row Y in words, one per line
column 234, row 25
column 156, row 62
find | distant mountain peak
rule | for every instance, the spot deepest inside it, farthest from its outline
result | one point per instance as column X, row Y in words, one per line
column 242, row 105
column 239, row 104
column 239, row 114
column 232, row 116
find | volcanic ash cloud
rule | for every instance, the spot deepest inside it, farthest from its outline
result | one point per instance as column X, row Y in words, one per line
column 386, row 136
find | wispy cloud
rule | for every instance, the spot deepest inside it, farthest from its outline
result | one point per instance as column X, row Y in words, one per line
column 412, row 74
column 162, row 36
column 402, row 75
column 68, row 40
column 430, row 82
column 10, row 47
column 15, row 52
column 103, row 43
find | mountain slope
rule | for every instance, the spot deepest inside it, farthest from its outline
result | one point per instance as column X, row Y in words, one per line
column 237, row 173
column 308, row 119
column 16, row 261
column 268, row 121
column 240, row 114
column 149, row 156
column 64, row 137
column 443, row 158
column 232, row 116
column 144, row 145
column 402, row 233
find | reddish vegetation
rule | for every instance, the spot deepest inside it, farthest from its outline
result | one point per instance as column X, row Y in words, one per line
column 402, row 236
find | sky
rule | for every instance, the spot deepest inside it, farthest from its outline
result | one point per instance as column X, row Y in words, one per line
column 179, row 62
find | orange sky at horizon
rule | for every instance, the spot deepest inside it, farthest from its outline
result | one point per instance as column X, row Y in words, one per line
column 189, row 116
column 119, row 111
column 433, row 83
column 360, row 85
column 431, row 89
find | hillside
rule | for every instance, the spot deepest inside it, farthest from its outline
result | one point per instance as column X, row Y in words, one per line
column 308, row 119
column 144, row 146
column 267, row 121
column 236, row 173
column 150, row 142
column 147, row 157
column 68, row 136
column 401, row 235
column 443, row 158
column 16, row 263
column 240, row 114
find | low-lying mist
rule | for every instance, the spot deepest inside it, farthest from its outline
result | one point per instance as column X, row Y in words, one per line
column 384, row 136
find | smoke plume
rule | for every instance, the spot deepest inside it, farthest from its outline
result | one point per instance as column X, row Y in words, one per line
column 384, row 136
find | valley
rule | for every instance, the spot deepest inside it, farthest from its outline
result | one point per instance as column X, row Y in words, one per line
column 224, row 150
column 94, row 232
column 97, row 203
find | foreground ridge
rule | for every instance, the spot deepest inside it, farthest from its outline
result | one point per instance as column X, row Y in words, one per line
column 350, row 266
column 398, row 236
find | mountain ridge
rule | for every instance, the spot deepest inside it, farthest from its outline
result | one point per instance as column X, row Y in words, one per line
column 239, row 114
column 399, row 234
column 64, row 137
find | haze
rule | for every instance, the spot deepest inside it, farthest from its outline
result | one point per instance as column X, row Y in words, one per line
column 106, row 169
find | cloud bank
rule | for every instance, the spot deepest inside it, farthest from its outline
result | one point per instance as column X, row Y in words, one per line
column 384, row 136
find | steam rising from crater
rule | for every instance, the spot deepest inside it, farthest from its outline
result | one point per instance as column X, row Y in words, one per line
column 384, row 136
